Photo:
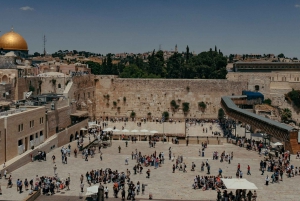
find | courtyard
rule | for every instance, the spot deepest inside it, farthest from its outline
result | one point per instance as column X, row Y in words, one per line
column 163, row 184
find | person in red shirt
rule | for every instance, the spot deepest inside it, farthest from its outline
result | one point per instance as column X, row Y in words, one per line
column 239, row 167
column 248, row 172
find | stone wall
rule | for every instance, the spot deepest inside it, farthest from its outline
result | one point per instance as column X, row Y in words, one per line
column 65, row 135
column 84, row 95
column 2, row 140
column 154, row 95
column 58, row 119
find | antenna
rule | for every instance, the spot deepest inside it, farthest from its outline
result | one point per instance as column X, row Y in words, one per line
column 159, row 46
column 44, row 39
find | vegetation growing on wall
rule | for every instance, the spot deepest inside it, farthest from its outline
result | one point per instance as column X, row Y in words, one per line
column 202, row 106
column 174, row 105
column 185, row 107
column 166, row 115
column 268, row 101
column 132, row 114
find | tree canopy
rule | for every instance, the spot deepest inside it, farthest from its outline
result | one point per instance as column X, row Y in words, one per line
column 206, row 65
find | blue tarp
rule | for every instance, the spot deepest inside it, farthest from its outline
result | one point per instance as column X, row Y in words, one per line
column 253, row 95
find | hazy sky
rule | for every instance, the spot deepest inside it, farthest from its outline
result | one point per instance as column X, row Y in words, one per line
column 115, row 26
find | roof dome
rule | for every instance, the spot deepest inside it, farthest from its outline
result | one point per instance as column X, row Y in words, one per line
column 13, row 41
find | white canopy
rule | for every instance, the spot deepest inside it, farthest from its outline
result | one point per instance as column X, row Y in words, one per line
column 134, row 131
column 277, row 144
column 92, row 190
column 153, row 131
column 83, row 129
column 238, row 184
column 125, row 131
column 116, row 130
column 108, row 129
column 144, row 131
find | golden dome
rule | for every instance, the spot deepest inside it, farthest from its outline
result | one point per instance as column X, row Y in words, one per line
column 13, row 41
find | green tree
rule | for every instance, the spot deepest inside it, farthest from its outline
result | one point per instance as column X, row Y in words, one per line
column 221, row 114
column 185, row 107
column 267, row 101
column 281, row 55
column 286, row 114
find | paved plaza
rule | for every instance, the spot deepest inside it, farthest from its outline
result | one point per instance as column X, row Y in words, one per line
column 163, row 184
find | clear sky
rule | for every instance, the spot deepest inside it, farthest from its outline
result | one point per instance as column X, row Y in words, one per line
column 116, row 26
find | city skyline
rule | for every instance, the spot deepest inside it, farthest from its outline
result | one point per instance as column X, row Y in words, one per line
column 113, row 27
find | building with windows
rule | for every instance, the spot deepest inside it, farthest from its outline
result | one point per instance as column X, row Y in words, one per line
column 21, row 129
column 265, row 66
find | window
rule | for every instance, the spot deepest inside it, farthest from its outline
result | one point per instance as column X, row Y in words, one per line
column 31, row 123
column 88, row 94
column 20, row 127
column 41, row 120
column 256, row 88
column 59, row 86
column 36, row 135
column 41, row 133
column 31, row 137
column 20, row 142
column 3, row 95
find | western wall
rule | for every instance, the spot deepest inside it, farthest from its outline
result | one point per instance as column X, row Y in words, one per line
column 153, row 96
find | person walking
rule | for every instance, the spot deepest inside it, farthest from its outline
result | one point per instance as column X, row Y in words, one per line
column 267, row 180
column 54, row 168
column 53, row 159
column 81, row 186
column 106, row 192
column 119, row 149
column 248, row 170
column 101, row 156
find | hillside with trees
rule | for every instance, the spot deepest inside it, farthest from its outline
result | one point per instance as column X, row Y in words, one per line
column 206, row 65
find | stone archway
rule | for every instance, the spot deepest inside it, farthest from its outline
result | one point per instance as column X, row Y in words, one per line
column 5, row 79
column 71, row 137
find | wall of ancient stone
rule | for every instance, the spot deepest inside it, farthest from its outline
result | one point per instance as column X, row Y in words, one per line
column 154, row 95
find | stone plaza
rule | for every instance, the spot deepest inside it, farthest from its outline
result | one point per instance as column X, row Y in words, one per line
column 163, row 184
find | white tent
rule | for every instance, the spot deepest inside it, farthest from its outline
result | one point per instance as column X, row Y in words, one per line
column 92, row 190
column 134, row 131
column 277, row 144
column 83, row 129
column 153, row 131
column 125, row 131
column 108, row 129
column 116, row 130
column 239, row 184
column 144, row 131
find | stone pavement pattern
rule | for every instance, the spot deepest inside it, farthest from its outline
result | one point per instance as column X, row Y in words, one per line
column 163, row 183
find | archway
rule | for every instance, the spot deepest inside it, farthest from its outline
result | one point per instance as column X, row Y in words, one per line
column 76, row 135
column 5, row 79
column 71, row 137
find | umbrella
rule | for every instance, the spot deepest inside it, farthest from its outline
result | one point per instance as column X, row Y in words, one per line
column 134, row 131
column 125, row 131
column 116, row 130
column 144, row 131
column 108, row 129
column 153, row 131
column 92, row 190
column 239, row 184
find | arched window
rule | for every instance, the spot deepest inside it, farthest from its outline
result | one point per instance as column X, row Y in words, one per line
column 256, row 88
column 59, row 86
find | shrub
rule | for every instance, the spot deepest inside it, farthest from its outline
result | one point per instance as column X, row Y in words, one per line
column 149, row 114
column 202, row 106
column 132, row 114
column 185, row 107
column 267, row 101
column 124, row 99
column 166, row 115
column 115, row 103
column 221, row 114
